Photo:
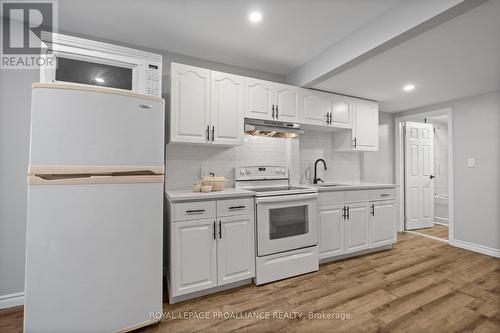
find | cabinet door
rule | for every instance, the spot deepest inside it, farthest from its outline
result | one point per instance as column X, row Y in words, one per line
column 236, row 249
column 365, row 127
column 227, row 109
column 331, row 238
column 194, row 256
column 383, row 223
column 341, row 113
column 259, row 99
column 312, row 107
column 287, row 102
column 356, row 227
column 190, row 104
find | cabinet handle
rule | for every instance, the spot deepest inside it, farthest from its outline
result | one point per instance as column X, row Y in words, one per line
column 327, row 118
column 213, row 133
column 343, row 212
column 277, row 111
column 355, row 143
column 373, row 210
column 208, row 133
column 215, row 237
column 237, row 207
column 195, row 211
column 273, row 110
column 331, row 118
column 385, row 194
column 348, row 213
column 220, row 230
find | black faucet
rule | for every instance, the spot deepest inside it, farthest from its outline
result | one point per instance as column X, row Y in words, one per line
column 316, row 179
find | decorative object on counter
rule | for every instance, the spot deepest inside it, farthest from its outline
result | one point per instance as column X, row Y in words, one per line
column 206, row 188
column 197, row 186
column 217, row 183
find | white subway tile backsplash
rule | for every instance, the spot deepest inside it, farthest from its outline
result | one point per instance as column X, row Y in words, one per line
column 185, row 162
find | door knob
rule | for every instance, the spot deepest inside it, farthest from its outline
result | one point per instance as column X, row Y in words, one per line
column 432, row 176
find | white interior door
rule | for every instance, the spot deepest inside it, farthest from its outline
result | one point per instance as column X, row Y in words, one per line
column 419, row 167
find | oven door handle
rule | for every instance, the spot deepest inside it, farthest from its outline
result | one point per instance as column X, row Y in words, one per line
column 287, row 198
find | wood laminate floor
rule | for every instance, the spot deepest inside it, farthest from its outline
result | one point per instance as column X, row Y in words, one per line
column 421, row 285
column 438, row 230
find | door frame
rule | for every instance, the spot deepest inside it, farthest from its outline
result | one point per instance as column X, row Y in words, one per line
column 400, row 164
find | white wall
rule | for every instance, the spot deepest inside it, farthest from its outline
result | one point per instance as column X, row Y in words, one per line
column 476, row 134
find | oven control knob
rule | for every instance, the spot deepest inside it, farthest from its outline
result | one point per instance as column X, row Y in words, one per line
column 243, row 172
column 277, row 170
column 283, row 171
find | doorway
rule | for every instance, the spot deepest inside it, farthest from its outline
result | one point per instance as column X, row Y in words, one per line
column 425, row 174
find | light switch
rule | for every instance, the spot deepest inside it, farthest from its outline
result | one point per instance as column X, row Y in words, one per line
column 471, row 162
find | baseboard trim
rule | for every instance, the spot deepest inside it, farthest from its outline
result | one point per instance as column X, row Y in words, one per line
column 441, row 220
column 477, row 248
column 428, row 236
column 11, row 300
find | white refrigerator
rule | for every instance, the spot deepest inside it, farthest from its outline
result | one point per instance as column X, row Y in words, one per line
column 95, row 210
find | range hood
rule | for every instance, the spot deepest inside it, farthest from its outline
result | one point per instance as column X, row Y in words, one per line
column 272, row 128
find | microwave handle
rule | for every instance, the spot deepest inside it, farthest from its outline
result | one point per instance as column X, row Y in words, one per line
column 286, row 198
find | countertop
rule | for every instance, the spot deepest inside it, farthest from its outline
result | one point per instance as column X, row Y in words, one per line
column 189, row 195
column 342, row 186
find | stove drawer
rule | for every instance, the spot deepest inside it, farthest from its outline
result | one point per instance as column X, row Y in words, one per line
column 233, row 207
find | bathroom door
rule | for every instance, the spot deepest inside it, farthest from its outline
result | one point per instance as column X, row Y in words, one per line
column 419, row 175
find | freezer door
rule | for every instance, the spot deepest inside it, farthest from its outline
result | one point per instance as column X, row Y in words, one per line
column 95, row 127
column 94, row 256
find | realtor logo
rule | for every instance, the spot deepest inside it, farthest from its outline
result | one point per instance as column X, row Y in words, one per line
column 22, row 26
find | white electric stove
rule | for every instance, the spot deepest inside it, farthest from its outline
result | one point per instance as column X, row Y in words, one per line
column 286, row 220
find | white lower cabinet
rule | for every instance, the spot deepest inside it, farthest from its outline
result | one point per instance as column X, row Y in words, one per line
column 351, row 226
column 194, row 256
column 383, row 222
column 331, row 240
column 235, row 249
column 356, row 230
column 215, row 247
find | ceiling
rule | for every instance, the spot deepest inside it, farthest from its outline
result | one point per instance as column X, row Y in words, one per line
column 291, row 31
column 456, row 59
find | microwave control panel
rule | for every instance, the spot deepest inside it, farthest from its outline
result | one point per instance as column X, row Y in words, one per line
column 153, row 80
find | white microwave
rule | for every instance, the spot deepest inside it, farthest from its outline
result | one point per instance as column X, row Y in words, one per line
column 83, row 61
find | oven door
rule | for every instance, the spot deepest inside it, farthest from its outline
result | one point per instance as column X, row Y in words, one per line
column 286, row 222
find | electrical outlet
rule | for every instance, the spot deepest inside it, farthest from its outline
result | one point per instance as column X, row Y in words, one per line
column 471, row 162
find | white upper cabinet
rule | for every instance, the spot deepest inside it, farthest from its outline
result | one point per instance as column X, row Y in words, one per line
column 259, row 99
column 227, row 109
column 287, row 102
column 365, row 128
column 313, row 106
column 364, row 134
column 270, row 100
column 206, row 106
column 190, row 104
column 341, row 112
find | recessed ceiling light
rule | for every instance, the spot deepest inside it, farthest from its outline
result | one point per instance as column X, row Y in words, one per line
column 409, row 87
column 99, row 80
column 255, row 17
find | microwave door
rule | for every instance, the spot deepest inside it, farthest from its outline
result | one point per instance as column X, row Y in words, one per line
column 119, row 72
